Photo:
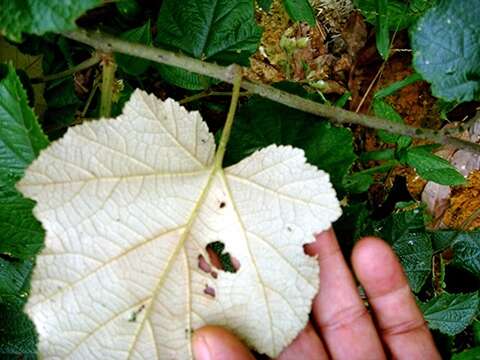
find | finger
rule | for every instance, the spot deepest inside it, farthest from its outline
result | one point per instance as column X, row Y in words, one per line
column 400, row 322
column 216, row 343
column 344, row 323
column 306, row 346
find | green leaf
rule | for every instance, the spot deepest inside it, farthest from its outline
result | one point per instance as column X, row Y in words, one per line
column 470, row 354
column 130, row 64
column 183, row 78
column 17, row 334
column 62, row 104
column 14, row 278
column 261, row 122
column 385, row 111
column 446, row 48
column 331, row 149
column 357, row 183
column 476, row 331
column 400, row 14
column 223, row 31
column 450, row 313
column 432, row 167
column 265, row 4
column 21, row 138
column 420, row 7
column 396, row 12
column 403, row 142
column 405, row 231
column 442, row 239
column 21, row 234
column 383, row 34
column 466, row 251
column 38, row 17
column 354, row 223
column 392, row 88
column 300, row 10
column 465, row 247
column 342, row 100
column 415, row 253
column 61, row 93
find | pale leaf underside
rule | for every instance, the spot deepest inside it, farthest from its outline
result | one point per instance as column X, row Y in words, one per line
column 129, row 205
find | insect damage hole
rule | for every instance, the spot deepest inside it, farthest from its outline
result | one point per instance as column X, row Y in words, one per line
column 135, row 313
column 221, row 260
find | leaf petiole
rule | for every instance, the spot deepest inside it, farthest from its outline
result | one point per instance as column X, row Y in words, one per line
column 93, row 60
column 222, row 146
column 379, row 169
column 208, row 93
column 108, row 77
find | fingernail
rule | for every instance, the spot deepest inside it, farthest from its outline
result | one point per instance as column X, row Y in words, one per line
column 200, row 348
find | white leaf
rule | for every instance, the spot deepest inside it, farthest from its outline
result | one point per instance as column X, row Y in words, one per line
column 129, row 206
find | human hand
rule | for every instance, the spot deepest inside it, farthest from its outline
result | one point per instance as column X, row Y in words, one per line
column 340, row 326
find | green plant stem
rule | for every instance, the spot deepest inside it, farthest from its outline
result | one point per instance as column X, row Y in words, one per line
column 90, row 97
column 208, row 93
column 390, row 89
column 381, row 28
column 82, row 66
column 108, row 77
column 222, row 146
column 109, row 43
column 380, row 168
column 383, row 154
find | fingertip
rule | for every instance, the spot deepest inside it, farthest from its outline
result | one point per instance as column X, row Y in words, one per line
column 307, row 345
column 347, row 329
column 376, row 266
column 399, row 320
column 371, row 244
column 215, row 343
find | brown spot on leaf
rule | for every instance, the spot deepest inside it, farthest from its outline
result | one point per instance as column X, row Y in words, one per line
column 203, row 264
column 209, row 291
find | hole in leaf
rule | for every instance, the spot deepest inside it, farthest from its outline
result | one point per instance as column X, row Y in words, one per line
column 209, row 291
column 222, row 205
column 135, row 313
column 219, row 259
column 309, row 248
